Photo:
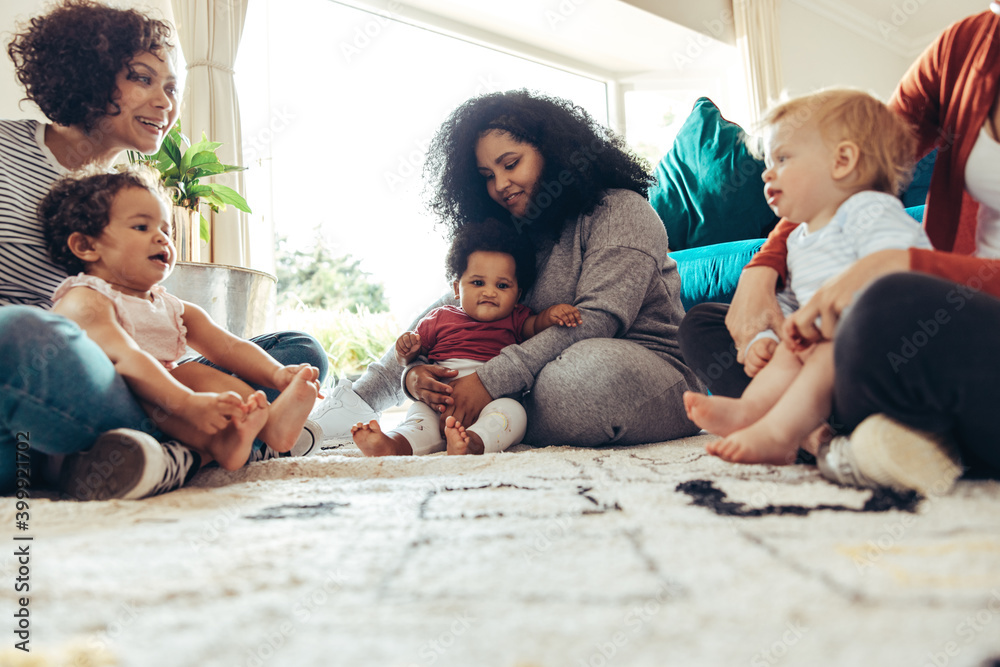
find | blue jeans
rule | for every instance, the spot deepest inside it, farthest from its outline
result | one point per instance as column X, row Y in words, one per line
column 60, row 391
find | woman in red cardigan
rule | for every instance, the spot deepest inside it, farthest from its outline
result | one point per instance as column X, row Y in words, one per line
column 916, row 351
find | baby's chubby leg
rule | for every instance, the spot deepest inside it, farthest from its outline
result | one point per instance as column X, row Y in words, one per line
column 289, row 411
column 796, row 416
column 502, row 423
column 231, row 446
column 721, row 415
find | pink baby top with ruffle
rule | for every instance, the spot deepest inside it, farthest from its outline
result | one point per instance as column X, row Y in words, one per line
column 155, row 325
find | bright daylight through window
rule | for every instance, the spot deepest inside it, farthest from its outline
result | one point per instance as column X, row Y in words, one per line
column 337, row 111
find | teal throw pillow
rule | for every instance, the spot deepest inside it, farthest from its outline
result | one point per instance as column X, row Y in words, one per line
column 709, row 188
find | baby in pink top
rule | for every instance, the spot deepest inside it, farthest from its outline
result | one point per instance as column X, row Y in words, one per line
column 113, row 229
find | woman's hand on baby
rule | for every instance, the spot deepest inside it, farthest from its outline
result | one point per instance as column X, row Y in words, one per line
column 211, row 412
column 758, row 355
column 817, row 320
column 425, row 384
column 754, row 308
column 470, row 398
column 407, row 347
column 562, row 314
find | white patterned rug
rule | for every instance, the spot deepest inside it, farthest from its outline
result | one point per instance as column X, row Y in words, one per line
column 557, row 557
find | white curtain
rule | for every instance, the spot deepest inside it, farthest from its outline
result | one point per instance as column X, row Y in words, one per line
column 209, row 32
column 758, row 40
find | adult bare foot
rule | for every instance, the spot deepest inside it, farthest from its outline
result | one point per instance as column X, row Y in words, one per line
column 289, row 411
column 716, row 414
column 373, row 442
column 231, row 446
column 459, row 441
column 755, row 444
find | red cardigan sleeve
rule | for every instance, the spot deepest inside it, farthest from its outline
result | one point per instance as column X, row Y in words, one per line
column 774, row 253
column 917, row 98
column 971, row 273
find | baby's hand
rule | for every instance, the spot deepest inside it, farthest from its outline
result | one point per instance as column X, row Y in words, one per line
column 407, row 347
column 210, row 412
column 563, row 314
column 793, row 337
column 758, row 355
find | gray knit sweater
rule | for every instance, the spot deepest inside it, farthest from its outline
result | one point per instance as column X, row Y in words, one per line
column 613, row 266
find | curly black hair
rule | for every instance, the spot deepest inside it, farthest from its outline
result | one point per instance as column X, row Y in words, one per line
column 68, row 60
column 491, row 235
column 82, row 203
column 582, row 160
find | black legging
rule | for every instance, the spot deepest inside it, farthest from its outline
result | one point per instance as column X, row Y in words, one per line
column 922, row 350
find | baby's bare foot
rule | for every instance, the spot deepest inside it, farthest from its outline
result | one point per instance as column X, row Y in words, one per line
column 716, row 414
column 461, row 442
column 373, row 442
column 755, row 444
column 231, row 446
column 289, row 411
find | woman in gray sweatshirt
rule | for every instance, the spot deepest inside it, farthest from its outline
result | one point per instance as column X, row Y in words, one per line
column 577, row 196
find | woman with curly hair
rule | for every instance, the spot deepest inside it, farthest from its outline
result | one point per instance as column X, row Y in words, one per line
column 105, row 79
column 577, row 196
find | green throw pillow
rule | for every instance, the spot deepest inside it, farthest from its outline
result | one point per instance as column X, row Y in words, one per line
column 709, row 188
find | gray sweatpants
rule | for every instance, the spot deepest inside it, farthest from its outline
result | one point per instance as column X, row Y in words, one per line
column 600, row 391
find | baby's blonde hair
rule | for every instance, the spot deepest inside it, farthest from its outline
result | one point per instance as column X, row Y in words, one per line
column 885, row 142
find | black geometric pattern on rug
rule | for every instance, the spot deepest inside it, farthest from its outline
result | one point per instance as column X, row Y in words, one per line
column 704, row 493
column 582, row 491
column 296, row 511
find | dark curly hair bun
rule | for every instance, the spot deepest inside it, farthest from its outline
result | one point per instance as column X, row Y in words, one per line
column 491, row 235
column 68, row 60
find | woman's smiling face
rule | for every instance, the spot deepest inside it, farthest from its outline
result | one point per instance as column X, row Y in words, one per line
column 512, row 169
column 148, row 97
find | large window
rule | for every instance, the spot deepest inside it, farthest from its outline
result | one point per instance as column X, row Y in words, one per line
column 338, row 106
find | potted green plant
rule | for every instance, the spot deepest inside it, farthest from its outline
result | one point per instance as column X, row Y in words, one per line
column 182, row 166
column 241, row 299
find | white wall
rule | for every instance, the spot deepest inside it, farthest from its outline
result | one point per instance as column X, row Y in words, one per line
column 16, row 12
column 818, row 52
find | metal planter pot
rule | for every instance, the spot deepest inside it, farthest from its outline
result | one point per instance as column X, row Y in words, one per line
column 242, row 301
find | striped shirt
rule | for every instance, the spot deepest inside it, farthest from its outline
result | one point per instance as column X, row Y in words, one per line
column 866, row 223
column 27, row 171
